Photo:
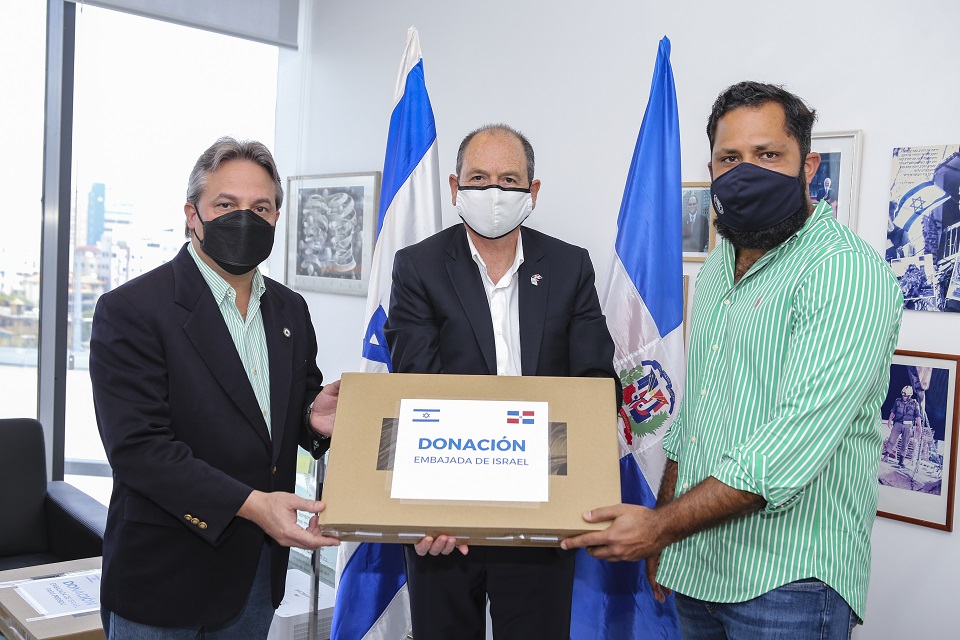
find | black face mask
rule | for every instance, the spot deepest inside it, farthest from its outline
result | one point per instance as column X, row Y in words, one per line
column 237, row 241
column 751, row 198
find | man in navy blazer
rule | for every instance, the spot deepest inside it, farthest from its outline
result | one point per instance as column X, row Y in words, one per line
column 205, row 381
column 487, row 298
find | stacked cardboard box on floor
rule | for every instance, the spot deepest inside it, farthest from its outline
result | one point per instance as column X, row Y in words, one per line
column 21, row 621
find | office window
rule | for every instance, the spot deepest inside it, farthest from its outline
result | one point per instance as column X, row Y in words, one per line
column 22, row 60
column 149, row 97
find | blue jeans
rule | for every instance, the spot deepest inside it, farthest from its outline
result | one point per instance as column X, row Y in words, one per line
column 253, row 622
column 803, row 610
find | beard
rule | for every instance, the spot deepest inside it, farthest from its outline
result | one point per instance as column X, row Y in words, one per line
column 776, row 235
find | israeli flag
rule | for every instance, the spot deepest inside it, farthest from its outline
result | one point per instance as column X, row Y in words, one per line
column 643, row 303
column 372, row 597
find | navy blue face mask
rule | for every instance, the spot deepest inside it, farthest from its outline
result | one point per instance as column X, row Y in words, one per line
column 237, row 241
column 751, row 198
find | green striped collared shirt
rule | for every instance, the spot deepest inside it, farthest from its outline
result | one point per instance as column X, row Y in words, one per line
column 786, row 372
column 247, row 334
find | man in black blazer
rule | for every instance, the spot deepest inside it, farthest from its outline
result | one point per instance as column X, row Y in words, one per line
column 204, row 382
column 827, row 193
column 487, row 298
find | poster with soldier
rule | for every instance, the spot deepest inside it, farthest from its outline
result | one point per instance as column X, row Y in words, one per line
column 918, row 424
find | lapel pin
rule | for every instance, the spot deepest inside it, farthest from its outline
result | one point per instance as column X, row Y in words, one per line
column 535, row 279
column 286, row 332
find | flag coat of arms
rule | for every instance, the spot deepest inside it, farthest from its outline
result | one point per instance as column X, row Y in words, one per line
column 643, row 303
column 372, row 597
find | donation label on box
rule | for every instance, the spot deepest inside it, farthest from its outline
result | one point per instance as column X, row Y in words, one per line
column 63, row 596
column 486, row 450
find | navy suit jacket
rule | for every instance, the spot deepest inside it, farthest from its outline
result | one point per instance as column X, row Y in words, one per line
column 439, row 320
column 188, row 443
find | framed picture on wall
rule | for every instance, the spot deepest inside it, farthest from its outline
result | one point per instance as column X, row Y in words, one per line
column 919, row 423
column 697, row 228
column 331, row 231
column 923, row 226
column 837, row 180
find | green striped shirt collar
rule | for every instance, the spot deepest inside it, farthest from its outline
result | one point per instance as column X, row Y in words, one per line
column 220, row 287
column 822, row 211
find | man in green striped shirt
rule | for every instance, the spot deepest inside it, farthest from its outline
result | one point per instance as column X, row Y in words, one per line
column 770, row 490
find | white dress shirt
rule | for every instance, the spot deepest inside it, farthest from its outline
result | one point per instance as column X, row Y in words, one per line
column 502, row 297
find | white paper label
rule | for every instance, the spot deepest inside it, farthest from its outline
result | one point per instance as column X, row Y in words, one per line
column 488, row 450
column 63, row 595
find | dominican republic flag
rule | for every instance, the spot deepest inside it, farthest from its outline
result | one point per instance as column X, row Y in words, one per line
column 372, row 597
column 643, row 303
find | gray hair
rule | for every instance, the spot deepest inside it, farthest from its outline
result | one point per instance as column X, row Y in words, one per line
column 224, row 150
column 502, row 128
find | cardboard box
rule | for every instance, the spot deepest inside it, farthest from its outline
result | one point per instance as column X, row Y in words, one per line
column 585, row 475
column 15, row 611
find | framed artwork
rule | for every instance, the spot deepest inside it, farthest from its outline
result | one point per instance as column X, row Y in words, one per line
column 331, row 231
column 923, row 228
column 697, row 226
column 919, row 423
column 837, row 180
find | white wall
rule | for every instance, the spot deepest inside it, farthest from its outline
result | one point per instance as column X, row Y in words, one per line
column 575, row 77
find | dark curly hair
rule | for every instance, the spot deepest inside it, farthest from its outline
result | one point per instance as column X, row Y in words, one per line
column 799, row 117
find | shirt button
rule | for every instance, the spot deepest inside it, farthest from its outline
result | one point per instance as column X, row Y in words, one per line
column 686, row 485
column 254, row 371
column 715, row 347
column 264, row 413
column 499, row 333
column 727, row 302
column 693, row 440
column 703, row 392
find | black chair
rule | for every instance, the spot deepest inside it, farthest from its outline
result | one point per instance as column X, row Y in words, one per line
column 41, row 522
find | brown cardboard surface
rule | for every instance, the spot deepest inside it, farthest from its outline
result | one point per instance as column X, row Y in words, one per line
column 357, row 495
column 14, row 611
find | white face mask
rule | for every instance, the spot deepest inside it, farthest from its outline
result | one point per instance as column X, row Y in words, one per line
column 493, row 211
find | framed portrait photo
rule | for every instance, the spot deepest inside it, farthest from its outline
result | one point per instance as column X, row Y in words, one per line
column 697, row 221
column 331, row 231
column 918, row 419
column 837, row 180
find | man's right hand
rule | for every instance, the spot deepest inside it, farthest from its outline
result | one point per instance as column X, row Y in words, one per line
column 439, row 546
column 276, row 514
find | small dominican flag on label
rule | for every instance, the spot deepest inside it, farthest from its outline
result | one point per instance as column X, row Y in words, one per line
column 519, row 417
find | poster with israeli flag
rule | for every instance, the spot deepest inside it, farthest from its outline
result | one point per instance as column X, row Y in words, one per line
column 923, row 230
column 372, row 597
column 643, row 303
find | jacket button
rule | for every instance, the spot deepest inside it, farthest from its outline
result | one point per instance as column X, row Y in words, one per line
column 202, row 525
column 274, row 471
column 195, row 520
column 187, row 517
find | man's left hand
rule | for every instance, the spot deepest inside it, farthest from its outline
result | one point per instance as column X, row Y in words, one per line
column 633, row 534
column 325, row 409
column 440, row 546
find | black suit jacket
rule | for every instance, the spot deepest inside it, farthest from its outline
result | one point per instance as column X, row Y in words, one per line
column 187, row 443
column 439, row 320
